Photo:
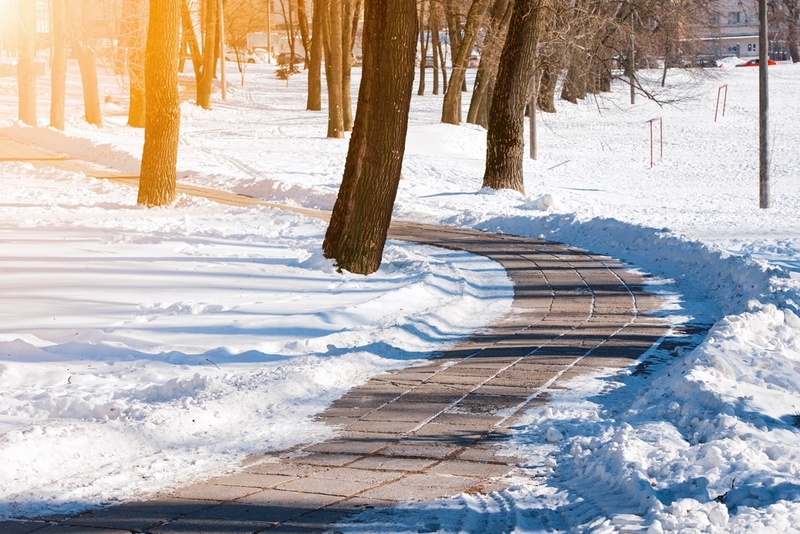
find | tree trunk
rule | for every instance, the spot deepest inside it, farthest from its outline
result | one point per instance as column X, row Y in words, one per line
column 451, row 109
column 442, row 65
column 499, row 18
column 305, row 36
column 348, row 40
column 360, row 220
column 505, row 144
column 436, row 47
column 792, row 30
column 158, row 174
column 58, row 70
column 187, row 28
column 574, row 87
column 134, row 31
column 332, row 24
column 423, row 50
column 314, row 100
column 91, row 92
column 209, row 54
column 26, row 70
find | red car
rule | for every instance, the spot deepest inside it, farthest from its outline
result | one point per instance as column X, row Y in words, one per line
column 754, row 63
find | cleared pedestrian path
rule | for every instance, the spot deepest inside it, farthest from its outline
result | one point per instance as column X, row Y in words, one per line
column 422, row 432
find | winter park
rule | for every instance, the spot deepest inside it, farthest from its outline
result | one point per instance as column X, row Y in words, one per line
column 219, row 316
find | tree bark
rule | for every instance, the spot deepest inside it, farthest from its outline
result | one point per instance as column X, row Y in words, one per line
column 134, row 19
column 349, row 20
column 360, row 220
column 505, row 142
column 158, row 174
column 451, row 109
column 209, row 53
column 551, row 64
column 91, row 93
column 499, row 18
column 332, row 24
column 314, row 100
column 58, row 70
column 433, row 27
column 305, row 36
column 26, row 69
column 187, row 28
column 423, row 50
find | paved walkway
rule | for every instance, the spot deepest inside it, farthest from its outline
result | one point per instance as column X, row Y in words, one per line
column 422, row 432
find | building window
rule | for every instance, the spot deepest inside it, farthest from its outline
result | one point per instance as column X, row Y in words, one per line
column 751, row 47
column 713, row 20
column 734, row 17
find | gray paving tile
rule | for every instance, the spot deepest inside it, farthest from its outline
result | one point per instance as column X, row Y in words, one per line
column 328, row 460
column 252, row 480
column 67, row 529
column 284, row 466
column 393, row 464
column 213, row 492
column 20, row 527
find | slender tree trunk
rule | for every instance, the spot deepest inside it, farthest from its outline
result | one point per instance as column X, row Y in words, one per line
column 91, row 92
column 58, row 70
column 333, row 66
column 505, row 144
column 187, row 28
column 792, row 28
column 574, row 87
column 451, row 109
column 443, row 66
column 348, row 36
column 360, row 220
column 314, row 100
column 158, row 174
column 134, row 20
column 209, row 54
column 26, row 69
column 436, row 47
column 499, row 18
column 305, row 36
column 423, row 50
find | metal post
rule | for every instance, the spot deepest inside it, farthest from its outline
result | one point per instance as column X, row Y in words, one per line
column 632, row 63
column 532, row 115
column 269, row 31
column 763, row 107
column 221, row 48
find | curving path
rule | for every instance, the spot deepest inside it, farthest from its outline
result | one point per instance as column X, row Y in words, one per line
column 421, row 432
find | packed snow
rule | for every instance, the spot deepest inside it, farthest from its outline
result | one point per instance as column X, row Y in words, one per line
column 144, row 349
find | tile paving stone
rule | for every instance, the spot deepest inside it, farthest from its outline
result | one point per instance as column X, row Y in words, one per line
column 455, row 434
column 392, row 464
column 20, row 527
column 352, row 445
column 420, row 449
column 326, row 460
column 284, row 499
column 467, row 379
column 326, row 486
column 487, row 404
column 213, row 492
column 471, row 469
column 475, row 421
column 282, row 467
column 383, row 426
column 192, row 525
column 404, row 412
column 253, row 480
column 359, row 475
column 425, row 486
column 68, row 529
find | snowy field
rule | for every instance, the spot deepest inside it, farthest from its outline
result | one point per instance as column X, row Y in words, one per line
column 145, row 349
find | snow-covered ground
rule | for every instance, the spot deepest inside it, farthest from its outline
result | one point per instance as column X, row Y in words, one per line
column 142, row 349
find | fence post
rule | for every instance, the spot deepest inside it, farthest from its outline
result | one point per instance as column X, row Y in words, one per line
column 724, row 101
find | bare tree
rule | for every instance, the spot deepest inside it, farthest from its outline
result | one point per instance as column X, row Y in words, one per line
column 496, row 30
column 360, row 220
column 210, row 25
column 314, row 100
column 504, row 140
column 332, row 28
column 26, row 73
column 158, row 174
column 134, row 32
column 58, row 70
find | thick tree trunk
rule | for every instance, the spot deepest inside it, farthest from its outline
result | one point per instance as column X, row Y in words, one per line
column 505, row 144
column 209, row 54
column 360, row 221
column 499, row 18
column 451, row 109
column 91, row 93
column 158, row 174
column 305, row 35
column 187, row 28
column 314, row 100
column 332, row 24
column 551, row 64
column 58, row 70
column 26, row 70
